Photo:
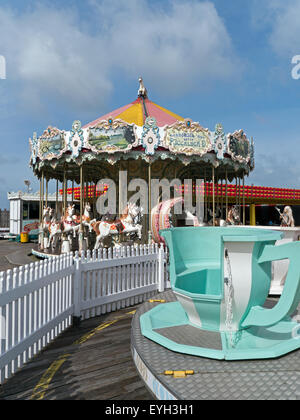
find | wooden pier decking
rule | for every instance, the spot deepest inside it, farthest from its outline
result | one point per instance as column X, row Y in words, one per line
column 90, row 362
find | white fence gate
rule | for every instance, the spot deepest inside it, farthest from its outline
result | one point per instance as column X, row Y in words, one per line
column 38, row 301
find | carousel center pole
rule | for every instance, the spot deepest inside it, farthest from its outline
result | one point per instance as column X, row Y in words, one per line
column 149, row 204
column 81, row 247
column 56, row 199
column 205, row 198
column 40, row 215
column 214, row 203
column 240, row 201
column 46, row 198
column 244, row 202
column 42, row 209
column 226, row 196
column 65, row 191
column 222, row 199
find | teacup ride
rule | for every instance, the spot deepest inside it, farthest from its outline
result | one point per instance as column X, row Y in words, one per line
column 221, row 278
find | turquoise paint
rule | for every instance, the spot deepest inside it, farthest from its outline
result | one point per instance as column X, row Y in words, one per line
column 290, row 297
column 162, row 316
column 196, row 271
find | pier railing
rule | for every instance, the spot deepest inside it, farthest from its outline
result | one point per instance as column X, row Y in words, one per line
column 39, row 301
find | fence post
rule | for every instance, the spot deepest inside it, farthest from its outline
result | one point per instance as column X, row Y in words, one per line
column 161, row 270
column 77, row 291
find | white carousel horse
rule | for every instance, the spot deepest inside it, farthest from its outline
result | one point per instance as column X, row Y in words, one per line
column 54, row 230
column 70, row 221
column 123, row 225
column 233, row 217
column 46, row 219
column 86, row 218
column 287, row 219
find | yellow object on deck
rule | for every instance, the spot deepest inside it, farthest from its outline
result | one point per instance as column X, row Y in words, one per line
column 24, row 237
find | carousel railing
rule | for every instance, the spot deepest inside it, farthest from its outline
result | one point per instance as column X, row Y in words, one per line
column 41, row 300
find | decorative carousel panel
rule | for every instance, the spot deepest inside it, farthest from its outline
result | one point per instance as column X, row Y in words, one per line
column 34, row 148
column 187, row 137
column 76, row 139
column 112, row 136
column 220, row 141
column 239, row 146
column 150, row 136
column 51, row 144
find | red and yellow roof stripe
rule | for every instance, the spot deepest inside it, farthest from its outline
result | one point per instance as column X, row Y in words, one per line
column 136, row 113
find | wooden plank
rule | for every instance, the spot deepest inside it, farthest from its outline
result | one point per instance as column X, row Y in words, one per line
column 100, row 369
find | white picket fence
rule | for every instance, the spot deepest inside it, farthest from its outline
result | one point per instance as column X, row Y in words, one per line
column 38, row 301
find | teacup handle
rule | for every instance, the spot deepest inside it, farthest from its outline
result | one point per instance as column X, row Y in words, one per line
column 290, row 297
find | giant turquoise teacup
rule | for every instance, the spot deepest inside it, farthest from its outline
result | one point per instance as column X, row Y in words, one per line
column 222, row 276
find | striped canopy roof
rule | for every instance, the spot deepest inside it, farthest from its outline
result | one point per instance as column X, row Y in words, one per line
column 137, row 112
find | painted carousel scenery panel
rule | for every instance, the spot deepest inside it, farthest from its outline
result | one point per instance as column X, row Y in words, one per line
column 51, row 144
column 188, row 138
column 239, row 146
column 111, row 139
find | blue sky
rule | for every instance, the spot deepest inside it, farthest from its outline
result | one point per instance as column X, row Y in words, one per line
column 213, row 61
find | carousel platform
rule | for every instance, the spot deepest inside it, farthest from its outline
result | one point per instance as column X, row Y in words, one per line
column 43, row 255
column 174, row 376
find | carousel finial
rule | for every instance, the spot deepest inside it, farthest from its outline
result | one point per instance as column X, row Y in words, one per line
column 142, row 92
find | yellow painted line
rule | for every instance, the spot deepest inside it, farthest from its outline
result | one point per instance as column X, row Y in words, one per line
column 41, row 388
column 43, row 385
column 91, row 334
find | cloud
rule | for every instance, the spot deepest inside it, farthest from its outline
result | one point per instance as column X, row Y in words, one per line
column 281, row 19
column 175, row 49
column 50, row 58
column 55, row 55
column 276, row 170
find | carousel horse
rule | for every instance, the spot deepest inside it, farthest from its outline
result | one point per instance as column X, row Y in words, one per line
column 233, row 216
column 70, row 221
column 54, row 230
column 124, row 225
column 287, row 219
column 218, row 219
column 46, row 219
column 86, row 218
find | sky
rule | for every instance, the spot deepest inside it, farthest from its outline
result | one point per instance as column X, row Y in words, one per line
column 215, row 61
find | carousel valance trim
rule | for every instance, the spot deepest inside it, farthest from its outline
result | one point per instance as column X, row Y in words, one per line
column 115, row 139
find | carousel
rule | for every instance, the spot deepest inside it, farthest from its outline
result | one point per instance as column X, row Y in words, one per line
column 147, row 143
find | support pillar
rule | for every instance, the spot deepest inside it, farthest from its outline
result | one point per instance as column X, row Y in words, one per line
column 252, row 215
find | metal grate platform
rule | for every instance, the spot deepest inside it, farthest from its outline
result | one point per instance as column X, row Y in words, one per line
column 192, row 336
column 217, row 380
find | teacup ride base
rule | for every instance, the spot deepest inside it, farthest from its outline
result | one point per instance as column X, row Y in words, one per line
column 221, row 278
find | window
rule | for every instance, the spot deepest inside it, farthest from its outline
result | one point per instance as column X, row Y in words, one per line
column 25, row 211
column 34, row 211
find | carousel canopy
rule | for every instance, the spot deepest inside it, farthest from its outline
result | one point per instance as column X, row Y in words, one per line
column 138, row 111
column 141, row 131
